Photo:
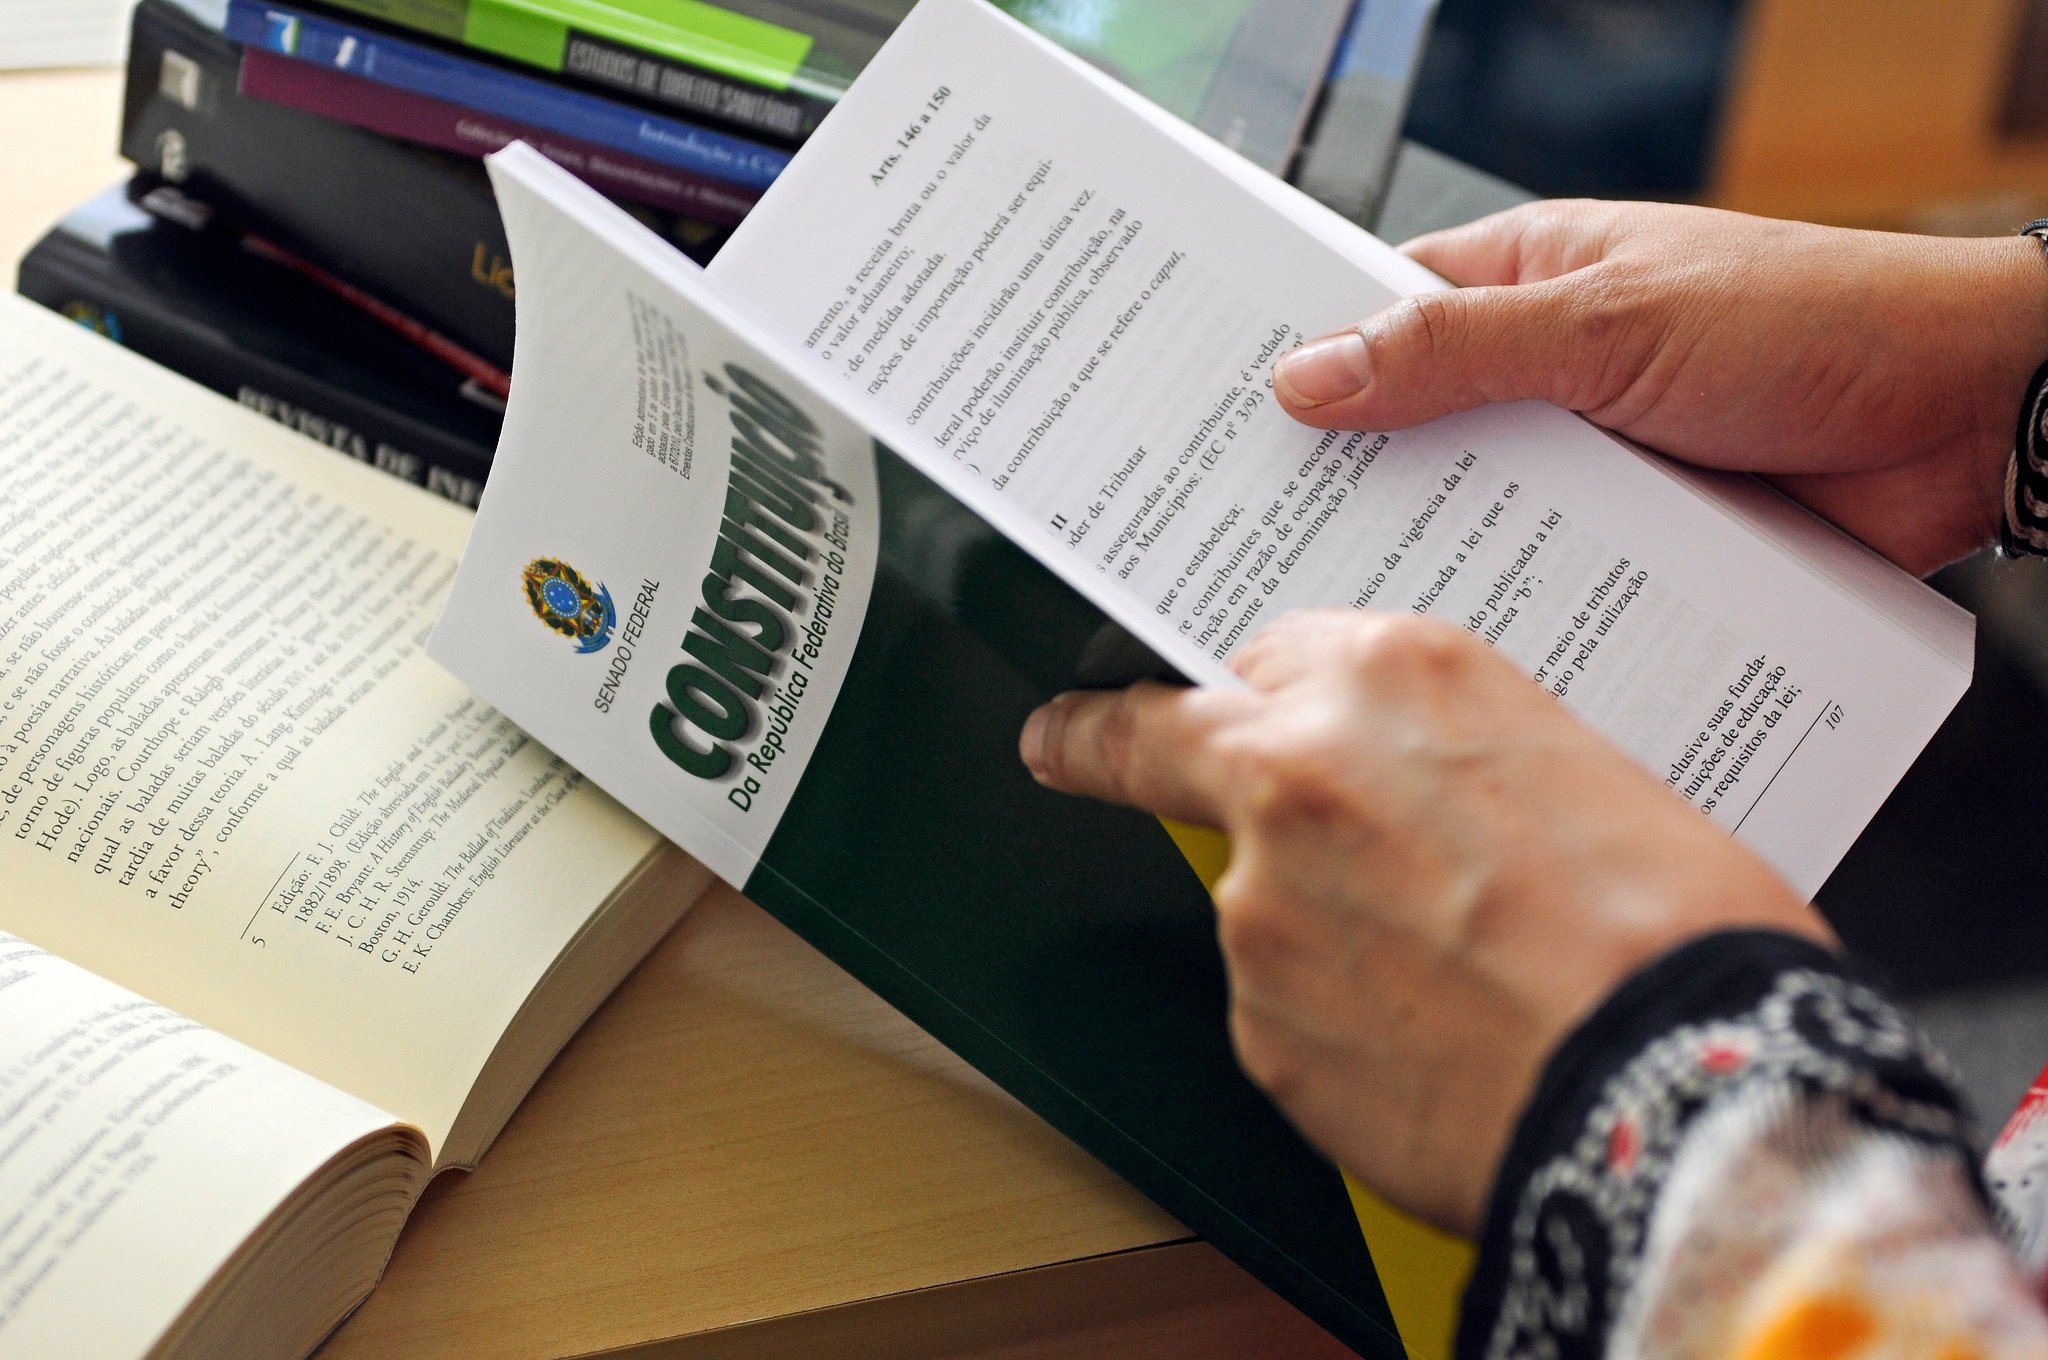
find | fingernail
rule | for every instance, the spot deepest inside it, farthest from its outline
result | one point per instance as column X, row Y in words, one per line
column 1031, row 743
column 1323, row 371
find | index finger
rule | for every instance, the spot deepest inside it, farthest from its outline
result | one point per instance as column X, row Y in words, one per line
column 1149, row 746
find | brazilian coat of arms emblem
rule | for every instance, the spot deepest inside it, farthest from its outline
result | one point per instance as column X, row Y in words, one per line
column 569, row 604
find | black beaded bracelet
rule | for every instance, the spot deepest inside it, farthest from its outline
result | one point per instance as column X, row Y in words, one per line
column 2024, row 532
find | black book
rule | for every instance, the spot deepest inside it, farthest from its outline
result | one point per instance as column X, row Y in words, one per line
column 200, row 304
column 416, row 228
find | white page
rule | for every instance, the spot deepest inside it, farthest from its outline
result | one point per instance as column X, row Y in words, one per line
column 1070, row 305
column 230, row 779
column 138, row 1152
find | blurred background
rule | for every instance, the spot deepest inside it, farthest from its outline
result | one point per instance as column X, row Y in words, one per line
column 1926, row 115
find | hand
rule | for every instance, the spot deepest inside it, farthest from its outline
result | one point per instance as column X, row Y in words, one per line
column 1874, row 377
column 1436, row 871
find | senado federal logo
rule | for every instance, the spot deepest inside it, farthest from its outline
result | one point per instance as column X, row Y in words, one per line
column 563, row 600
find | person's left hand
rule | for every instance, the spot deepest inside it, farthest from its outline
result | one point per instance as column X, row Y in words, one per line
column 1436, row 871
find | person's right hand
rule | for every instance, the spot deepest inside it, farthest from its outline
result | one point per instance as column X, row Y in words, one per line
column 1874, row 377
column 1436, row 873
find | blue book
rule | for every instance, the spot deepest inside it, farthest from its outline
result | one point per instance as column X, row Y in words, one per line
column 488, row 89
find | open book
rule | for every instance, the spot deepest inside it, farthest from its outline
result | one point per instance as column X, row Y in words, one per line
column 290, row 919
column 975, row 406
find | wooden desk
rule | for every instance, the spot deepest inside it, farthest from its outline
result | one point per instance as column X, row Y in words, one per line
column 745, row 1153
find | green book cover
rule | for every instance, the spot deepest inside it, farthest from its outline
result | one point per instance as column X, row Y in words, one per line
column 782, row 49
column 808, row 664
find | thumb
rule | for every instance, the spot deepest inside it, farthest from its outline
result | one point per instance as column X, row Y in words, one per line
column 1441, row 352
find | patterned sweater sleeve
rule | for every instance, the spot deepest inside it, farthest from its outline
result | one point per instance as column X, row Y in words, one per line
column 1745, row 1154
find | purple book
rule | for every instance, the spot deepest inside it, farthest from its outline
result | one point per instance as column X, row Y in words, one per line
column 452, row 127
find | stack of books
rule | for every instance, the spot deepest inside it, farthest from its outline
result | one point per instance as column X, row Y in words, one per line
column 310, row 230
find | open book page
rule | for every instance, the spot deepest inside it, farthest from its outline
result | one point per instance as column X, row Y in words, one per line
column 138, row 1151
column 1070, row 306
column 230, row 779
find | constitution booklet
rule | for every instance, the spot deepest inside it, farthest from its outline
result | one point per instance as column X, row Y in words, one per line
column 976, row 406
column 289, row 918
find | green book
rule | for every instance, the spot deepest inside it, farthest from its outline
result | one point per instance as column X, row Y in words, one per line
column 1245, row 71
column 545, row 33
column 874, row 802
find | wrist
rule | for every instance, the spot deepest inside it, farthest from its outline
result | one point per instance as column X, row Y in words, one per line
column 2010, row 305
column 1572, row 1201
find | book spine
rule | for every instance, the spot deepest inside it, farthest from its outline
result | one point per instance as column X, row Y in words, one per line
column 504, row 94
column 434, row 122
column 439, row 460
column 710, row 37
column 474, row 368
column 613, row 58
column 689, row 89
